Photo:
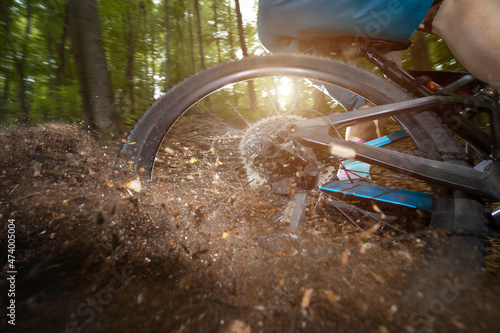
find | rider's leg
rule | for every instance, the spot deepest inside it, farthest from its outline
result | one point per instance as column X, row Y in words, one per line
column 352, row 169
column 471, row 30
column 372, row 129
column 366, row 131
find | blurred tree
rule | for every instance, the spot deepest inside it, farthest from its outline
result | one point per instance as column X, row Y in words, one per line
column 191, row 41
column 230, row 31
column 429, row 52
column 20, row 54
column 168, row 69
column 200, row 36
column 241, row 31
column 90, row 60
column 243, row 45
column 420, row 53
column 149, row 46
column 4, row 50
column 216, row 30
column 130, row 52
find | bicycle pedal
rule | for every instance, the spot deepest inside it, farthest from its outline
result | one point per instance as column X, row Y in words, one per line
column 405, row 198
column 353, row 169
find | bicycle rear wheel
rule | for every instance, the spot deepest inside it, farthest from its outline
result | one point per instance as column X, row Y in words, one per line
column 191, row 142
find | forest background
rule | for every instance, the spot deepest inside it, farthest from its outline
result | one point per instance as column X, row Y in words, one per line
column 147, row 47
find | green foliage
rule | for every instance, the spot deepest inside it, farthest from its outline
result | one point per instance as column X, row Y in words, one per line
column 38, row 81
column 437, row 51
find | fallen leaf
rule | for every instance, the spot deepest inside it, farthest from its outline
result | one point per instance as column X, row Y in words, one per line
column 225, row 235
column 198, row 215
column 184, row 282
column 383, row 329
column 235, row 326
column 378, row 210
column 457, row 323
column 306, row 299
column 375, row 228
column 311, row 312
column 406, row 254
column 260, row 308
column 378, row 278
column 345, row 257
column 70, row 158
column 364, row 247
column 135, row 185
column 36, row 168
column 331, row 296
column 216, row 180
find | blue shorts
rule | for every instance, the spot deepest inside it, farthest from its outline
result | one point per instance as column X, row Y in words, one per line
column 312, row 25
column 283, row 24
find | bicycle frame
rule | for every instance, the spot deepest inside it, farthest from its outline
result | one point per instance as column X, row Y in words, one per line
column 482, row 180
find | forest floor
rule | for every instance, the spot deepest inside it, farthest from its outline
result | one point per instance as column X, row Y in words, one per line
column 96, row 253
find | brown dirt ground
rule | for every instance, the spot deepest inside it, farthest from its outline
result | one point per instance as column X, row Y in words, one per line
column 95, row 254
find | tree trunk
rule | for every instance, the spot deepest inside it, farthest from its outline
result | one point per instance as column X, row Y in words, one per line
column 154, row 59
column 181, row 65
column 19, row 59
column 230, row 31
column 168, row 69
column 216, row 31
column 5, row 94
column 200, row 36
column 61, row 53
column 251, row 90
column 129, row 71
column 241, row 32
column 147, row 91
column 420, row 53
column 191, row 41
column 5, row 19
column 21, row 67
column 61, row 69
column 44, row 111
column 90, row 60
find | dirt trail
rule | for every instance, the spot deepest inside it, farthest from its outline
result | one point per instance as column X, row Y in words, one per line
column 96, row 252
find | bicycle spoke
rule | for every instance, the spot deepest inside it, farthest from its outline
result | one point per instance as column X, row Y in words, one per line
column 206, row 157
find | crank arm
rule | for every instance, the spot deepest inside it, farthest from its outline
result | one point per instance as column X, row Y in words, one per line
column 464, row 127
column 480, row 183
